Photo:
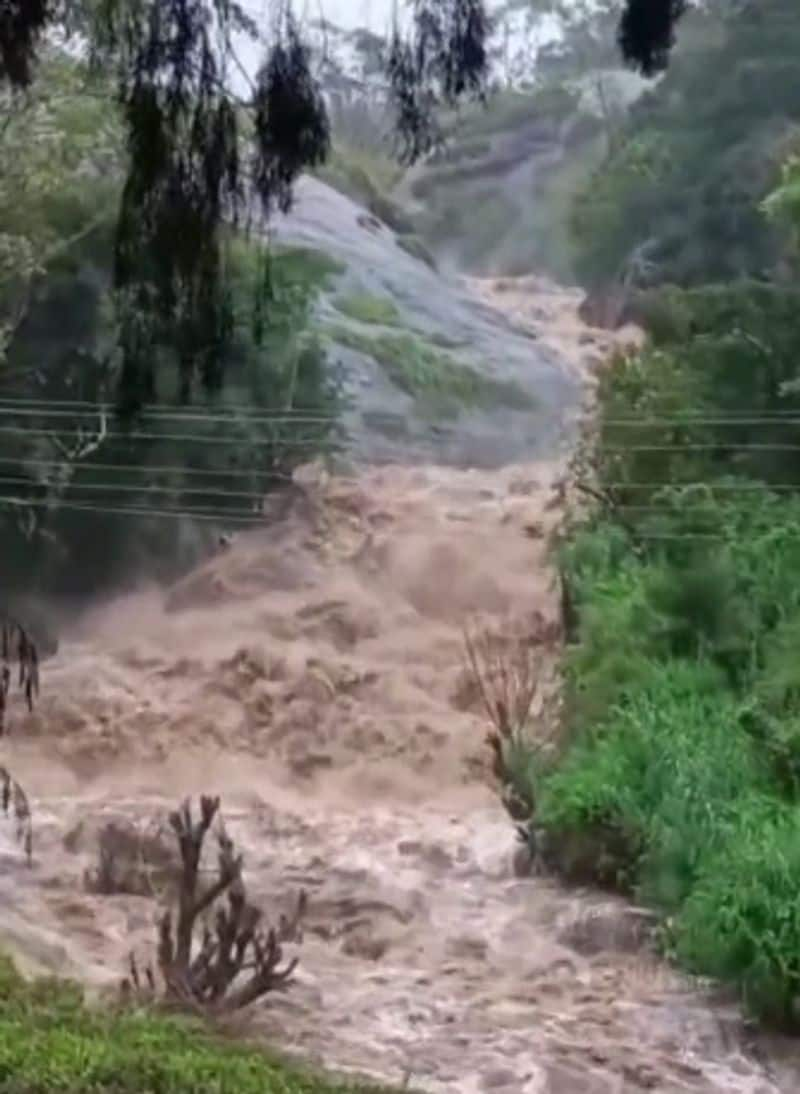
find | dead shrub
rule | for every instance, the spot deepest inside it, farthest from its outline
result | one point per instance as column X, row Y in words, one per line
column 506, row 669
column 16, row 645
column 219, row 968
column 15, row 800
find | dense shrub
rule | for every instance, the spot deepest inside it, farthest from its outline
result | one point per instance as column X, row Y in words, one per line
column 668, row 768
column 741, row 920
column 679, row 776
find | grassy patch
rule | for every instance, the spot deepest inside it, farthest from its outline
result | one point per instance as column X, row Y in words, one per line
column 50, row 1041
column 434, row 378
column 304, row 266
column 366, row 308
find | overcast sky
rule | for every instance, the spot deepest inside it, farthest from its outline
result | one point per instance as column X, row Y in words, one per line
column 374, row 15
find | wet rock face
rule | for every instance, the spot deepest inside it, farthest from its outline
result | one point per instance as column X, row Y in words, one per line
column 437, row 316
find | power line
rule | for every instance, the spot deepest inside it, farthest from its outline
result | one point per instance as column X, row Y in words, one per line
column 94, row 406
column 304, row 442
column 707, row 485
column 113, row 487
column 744, row 446
column 70, row 407
column 253, row 418
column 148, row 469
column 666, row 510
column 147, row 511
column 254, row 519
column 641, row 423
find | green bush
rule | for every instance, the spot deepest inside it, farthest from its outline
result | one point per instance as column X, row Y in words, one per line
column 741, row 920
column 658, row 781
column 51, row 1041
column 679, row 778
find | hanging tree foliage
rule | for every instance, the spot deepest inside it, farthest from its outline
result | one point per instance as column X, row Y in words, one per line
column 201, row 161
column 647, row 32
column 191, row 174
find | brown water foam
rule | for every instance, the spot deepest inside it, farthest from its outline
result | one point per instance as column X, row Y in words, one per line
column 313, row 676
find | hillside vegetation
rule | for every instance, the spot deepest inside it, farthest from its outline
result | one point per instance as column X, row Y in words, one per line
column 697, row 154
column 64, row 461
column 678, row 778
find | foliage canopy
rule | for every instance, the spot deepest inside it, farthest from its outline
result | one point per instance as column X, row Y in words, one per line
column 200, row 160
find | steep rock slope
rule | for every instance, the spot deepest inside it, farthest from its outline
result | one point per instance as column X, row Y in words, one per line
column 432, row 374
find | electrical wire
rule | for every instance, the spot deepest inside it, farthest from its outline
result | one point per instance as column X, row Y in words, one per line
column 140, row 488
column 184, row 438
column 149, row 469
column 712, row 486
column 201, row 513
column 270, row 418
column 219, row 517
column 8, row 403
column 744, row 446
column 71, row 407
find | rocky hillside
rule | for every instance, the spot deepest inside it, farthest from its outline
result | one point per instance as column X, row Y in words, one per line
column 429, row 372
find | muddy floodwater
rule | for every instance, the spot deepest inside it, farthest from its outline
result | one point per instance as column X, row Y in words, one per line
column 313, row 676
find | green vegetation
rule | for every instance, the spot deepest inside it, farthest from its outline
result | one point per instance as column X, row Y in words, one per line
column 64, row 466
column 698, row 153
column 680, row 777
column 440, row 383
column 305, row 267
column 52, row 1041
column 677, row 778
column 366, row 308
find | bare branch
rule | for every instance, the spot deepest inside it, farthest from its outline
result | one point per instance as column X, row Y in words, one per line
column 234, row 962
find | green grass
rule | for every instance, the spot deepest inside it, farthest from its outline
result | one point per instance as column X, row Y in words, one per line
column 52, row 1042
column 366, row 308
column 304, row 266
column 438, row 381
